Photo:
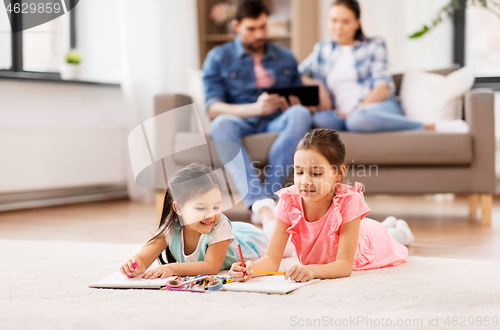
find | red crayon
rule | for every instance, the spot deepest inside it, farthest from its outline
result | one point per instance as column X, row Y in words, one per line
column 242, row 261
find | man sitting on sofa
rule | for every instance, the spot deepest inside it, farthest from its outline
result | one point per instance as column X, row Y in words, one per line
column 235, row 76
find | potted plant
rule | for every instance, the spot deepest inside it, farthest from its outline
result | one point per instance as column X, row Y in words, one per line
column 70, row 69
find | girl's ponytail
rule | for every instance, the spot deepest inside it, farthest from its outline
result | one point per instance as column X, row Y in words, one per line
column 168, row 215
column 168, row 209
column 167, row 219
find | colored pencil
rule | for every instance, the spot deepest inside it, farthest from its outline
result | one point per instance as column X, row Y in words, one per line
column 241, row 258
column 186, row 290
column 195, row 279
column 268, row 272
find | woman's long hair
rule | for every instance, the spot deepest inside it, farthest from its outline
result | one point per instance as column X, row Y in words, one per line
column 353, row 5
column 190, row 182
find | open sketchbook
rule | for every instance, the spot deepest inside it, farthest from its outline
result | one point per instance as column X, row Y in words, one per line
column 267, row 284
column 275, row 284
column 119, row 281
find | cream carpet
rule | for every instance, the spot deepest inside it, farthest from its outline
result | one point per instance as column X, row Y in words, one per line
column 43, row 285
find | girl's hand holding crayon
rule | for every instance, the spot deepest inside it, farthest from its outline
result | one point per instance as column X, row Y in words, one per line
column 159, row 272
column 299, row 273
column 237, row 272
column 133, row 267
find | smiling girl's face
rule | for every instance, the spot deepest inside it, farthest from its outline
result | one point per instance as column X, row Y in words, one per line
column 314, row 177
column 201, row 213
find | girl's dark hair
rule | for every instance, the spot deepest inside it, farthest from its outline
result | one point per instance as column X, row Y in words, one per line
column 329, row 144
column 250, row 9
column 192, row 181
column 353, row 5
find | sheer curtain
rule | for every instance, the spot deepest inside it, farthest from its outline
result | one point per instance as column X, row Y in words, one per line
column 158, row 40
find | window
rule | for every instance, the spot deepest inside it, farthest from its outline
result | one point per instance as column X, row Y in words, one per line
column 5, row 41
column 43, row 49
column 477, row 43
column 37, row 52
column 482, row 41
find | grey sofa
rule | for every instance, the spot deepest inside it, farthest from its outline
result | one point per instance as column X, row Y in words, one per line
column 403, row 162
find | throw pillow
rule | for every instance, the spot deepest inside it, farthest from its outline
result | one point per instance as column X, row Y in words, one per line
column 431, row 98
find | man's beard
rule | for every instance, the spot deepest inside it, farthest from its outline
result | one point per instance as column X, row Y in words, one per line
column 251, row 47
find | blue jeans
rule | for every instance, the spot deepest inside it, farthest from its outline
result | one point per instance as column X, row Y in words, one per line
column 293, row 124
column 373, row 117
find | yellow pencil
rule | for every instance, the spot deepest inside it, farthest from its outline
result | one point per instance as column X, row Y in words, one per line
column 268, row 272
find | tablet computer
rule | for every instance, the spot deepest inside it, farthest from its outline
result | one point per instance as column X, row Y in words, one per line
column 308, row 95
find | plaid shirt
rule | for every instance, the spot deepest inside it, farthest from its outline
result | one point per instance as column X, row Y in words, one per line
column 371, row 63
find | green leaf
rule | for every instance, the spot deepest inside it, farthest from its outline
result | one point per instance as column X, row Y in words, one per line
column 420, row 33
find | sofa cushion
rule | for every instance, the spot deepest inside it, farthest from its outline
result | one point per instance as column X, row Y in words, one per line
column 384, row 148
column 407, row 148
column 258, row 146
column 444, row 72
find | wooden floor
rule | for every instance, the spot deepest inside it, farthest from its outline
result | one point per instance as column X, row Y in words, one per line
column 441, row 228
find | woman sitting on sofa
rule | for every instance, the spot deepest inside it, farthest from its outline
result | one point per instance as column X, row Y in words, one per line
column 353, row 77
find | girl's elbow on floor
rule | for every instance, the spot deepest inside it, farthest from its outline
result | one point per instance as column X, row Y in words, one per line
column 345, row 270
column 348, row 272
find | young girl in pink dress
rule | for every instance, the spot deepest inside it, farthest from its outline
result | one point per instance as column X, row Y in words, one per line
column 326, row 220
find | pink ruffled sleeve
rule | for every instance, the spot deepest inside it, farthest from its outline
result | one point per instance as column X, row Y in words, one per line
column 280, row 210
column 353, row 205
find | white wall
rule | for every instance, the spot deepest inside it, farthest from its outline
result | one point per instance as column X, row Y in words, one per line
column 42, row 104
column 158, row 40
column 146, row 48
column 58, row 135
column 394, row 21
